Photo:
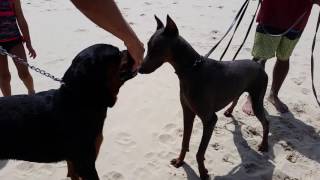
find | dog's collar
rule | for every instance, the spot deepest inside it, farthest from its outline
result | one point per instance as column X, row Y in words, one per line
column 198, row 61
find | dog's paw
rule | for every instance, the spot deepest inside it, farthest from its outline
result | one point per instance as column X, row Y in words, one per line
column 177, row 162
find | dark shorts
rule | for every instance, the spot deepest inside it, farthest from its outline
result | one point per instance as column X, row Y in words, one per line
column 10, row 44
column 292, row 34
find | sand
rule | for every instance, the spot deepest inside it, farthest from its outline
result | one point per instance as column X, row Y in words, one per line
column 143, row 132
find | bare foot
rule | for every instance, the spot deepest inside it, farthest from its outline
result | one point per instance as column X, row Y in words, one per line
column 247, row 107
column 177, row 162
column 278, row 104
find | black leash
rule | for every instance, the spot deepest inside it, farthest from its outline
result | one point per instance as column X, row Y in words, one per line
column 235, row 29
column 245, row 4
column 312, row 61
column 247, row 33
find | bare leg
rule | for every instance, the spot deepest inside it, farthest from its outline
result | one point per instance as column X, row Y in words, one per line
column 280, row 72
column 247, row 107
column 23, row 71
column 188, row 118
column 5, row 76
column 257, row 95
column 208, row 126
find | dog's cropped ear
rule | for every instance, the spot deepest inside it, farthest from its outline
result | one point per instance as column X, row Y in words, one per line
column 159, row 23
column 171, row 27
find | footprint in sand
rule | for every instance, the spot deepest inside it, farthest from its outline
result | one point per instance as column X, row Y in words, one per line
column 169, row 127
column 293, row 157
column 298, row 81
column 165, row 155
column 250, row 132
column 124, row 139
column 220, row 7
column 113, row 175
column 81, row 30
column 299, row 107
column 142, row 173
column 305, row 91
column 217, row 146
column 166, row 139
column 229, row 158
column 173, row 129
column 25, row 166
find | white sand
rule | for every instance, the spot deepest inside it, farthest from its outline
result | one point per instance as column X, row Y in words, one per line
column 143, row 132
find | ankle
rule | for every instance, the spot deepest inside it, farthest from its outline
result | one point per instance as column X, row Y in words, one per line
column 31, row 92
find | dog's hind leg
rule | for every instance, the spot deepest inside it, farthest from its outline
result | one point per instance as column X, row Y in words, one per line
column 257, row 105
column 188, row 118
column 257, row 96
column 208, row 126
column 228, row 112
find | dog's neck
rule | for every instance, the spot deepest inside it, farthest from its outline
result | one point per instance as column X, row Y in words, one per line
column 184, row 57
column 80, row 100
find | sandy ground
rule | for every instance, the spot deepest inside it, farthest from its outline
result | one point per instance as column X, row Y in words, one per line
column 143, row 132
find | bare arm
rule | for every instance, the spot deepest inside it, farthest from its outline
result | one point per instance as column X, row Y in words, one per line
column 23, row 27
column 106, row 14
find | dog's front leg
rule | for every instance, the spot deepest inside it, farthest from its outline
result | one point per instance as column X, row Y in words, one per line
column 208, row 126
column 188, row 118
column 71, row 171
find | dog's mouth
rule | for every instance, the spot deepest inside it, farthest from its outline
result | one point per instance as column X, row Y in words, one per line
column 126, row 65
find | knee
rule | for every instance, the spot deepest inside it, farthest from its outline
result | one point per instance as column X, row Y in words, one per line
column 5, row 78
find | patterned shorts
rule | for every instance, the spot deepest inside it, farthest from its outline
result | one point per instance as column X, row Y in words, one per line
column 267, row 46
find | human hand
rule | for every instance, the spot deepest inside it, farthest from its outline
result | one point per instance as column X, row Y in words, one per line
column 136, row 50
column 32, row 52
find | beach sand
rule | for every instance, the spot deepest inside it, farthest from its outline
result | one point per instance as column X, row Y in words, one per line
column 143, row 132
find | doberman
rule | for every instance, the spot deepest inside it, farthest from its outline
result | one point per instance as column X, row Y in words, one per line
column 206, row 86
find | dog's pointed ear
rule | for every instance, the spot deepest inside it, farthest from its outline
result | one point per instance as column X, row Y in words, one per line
column 159, row 23
column 171, row 27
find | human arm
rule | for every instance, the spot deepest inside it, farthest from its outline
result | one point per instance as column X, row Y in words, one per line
column 106, row 14
column 23, row 25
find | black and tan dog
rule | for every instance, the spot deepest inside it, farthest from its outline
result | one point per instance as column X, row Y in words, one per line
column 206, row 86
column 66, row 123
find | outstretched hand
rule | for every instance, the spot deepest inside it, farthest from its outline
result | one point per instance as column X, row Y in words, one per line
column 136, row 50
column 32, row 52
